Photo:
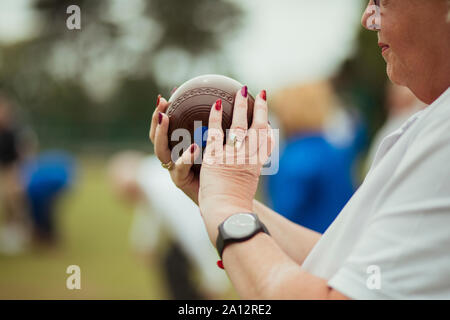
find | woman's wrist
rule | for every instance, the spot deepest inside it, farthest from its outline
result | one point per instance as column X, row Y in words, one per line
column 221, row 204
column 214, row 217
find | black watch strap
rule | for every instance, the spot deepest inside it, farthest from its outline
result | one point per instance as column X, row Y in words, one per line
column 223, row 239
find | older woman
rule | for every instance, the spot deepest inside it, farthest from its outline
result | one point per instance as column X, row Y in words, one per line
column 391, row 240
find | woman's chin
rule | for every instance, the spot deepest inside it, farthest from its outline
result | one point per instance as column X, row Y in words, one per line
column 394, row 76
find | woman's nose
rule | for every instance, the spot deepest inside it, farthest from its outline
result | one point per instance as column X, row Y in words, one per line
column 370, row 17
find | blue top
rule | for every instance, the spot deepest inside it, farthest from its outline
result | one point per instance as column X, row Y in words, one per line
column 44, row 178
column 47, row 174
column 314, row 181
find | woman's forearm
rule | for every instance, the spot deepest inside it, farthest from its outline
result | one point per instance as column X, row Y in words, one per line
column 296, row 241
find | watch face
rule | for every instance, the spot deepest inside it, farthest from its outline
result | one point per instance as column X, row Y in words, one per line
column 240, row 225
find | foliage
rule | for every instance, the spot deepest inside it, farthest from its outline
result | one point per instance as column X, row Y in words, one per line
column 97, row 85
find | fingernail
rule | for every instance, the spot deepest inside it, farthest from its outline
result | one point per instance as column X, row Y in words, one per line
column 220, row 264
column 218, row 104
column 158, row 99
column 193, row 148
column 264, row 95
column 244, row 91
column 160, row 116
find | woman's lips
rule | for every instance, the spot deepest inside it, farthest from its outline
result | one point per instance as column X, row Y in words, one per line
column 384, row 47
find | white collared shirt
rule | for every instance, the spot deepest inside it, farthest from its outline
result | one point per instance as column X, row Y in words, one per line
column 392, row 239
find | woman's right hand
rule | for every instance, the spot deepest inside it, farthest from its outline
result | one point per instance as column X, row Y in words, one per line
column 181, row 174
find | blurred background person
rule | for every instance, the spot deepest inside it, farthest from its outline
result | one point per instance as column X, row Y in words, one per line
column 15, row 229
column 45, row 177
column 31, row 184
column 400, row 104
column 189, row 261
column 315, row 177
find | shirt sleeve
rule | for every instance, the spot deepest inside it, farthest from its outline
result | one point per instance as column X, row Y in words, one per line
column 404, row 251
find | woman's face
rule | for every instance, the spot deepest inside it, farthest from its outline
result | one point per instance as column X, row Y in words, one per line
column 411, row 36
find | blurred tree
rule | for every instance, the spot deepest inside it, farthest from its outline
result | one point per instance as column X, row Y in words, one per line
column 362, row 80
column 98, row 84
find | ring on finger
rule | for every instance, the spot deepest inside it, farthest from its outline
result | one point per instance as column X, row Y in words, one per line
column 232, row 139
column 169, row 165
column 236, row 136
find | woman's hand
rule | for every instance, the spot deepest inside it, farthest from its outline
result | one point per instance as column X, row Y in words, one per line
column 229, row 174
column 181, row 173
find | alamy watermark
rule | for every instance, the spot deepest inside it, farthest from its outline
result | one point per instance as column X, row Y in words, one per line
column 373, row 282
column 73, row 21
column 74, row 280
column 255, row 146
column 373, row 22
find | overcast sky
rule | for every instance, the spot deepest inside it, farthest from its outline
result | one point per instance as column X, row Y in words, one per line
column 16, row 20
column 281, row 43
column 289, row 41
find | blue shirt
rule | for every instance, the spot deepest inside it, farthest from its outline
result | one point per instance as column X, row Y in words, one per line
column 314, row 181
column 47, row 174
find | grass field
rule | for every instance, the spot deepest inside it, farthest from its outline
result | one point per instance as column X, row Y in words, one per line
column 94, row 235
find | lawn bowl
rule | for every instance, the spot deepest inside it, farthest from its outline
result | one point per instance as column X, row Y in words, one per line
column 191, row 103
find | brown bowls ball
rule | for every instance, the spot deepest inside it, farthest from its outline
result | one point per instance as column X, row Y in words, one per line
column 190, row 105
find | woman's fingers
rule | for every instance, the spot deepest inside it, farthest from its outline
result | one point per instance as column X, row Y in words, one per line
column 271, row 140
column 161, row 140
column 214, row 146
column 261, row 135
column 161, row 106
column 260, row 116
column 240, row 109
column 239, row 125
column 184, row 164
column 266, row 144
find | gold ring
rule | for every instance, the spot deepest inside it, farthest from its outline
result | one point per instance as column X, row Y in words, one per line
column 169, row 165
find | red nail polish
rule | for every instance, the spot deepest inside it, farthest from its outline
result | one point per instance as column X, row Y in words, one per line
column 160, row 117
column 264, row 95
column 157, row 100
column 244, row 91
column 193, row 148
column 220, row 264
column 218, row 104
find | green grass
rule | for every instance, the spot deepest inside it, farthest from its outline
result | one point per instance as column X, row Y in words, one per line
column 94, row 230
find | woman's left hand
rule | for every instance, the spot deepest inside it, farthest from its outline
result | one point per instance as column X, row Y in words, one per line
column 230, row 173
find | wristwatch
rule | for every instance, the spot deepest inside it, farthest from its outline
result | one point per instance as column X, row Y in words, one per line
column 237, row 228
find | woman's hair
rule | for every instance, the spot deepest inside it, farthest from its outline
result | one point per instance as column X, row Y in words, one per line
column 304, row 107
